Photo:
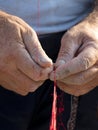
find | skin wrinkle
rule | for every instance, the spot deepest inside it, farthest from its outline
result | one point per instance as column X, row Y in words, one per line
column 73, row 34
column 17, row 39
column 79, row 50
column 77, row 33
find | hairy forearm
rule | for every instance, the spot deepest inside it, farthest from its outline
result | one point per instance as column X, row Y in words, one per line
column 93, row 16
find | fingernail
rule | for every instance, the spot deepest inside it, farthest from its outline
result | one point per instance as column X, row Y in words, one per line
column 61, row 62
column 47, row 61
column 48, row 69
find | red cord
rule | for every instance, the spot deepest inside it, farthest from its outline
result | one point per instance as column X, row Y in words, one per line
column 54, row 107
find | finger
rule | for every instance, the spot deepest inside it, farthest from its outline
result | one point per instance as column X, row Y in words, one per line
column 26, row 65
column 86, row 59
column 69, row 47
column 82, row 77
column 19, row 83
column 75, row 90
column 34, row 48
column 67, row 89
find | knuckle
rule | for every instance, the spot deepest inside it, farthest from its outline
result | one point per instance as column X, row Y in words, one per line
column 77, row 93
column 85, row 62
column 34, row 87
column 80, row 80
column 24, row 93
column 88, row 60
column 64, row 53
column 39, row 75
column 19, row 90
column 4, row 67
column 80, row 91
column 30, row 31
column 66, row 36
column 63, row 39
column 36, row 78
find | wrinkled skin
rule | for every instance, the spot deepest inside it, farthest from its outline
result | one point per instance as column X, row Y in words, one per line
column 24, row 66
column 77, row 62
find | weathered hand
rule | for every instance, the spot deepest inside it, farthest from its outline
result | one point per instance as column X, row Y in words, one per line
column 24, row 66
column 77, row 62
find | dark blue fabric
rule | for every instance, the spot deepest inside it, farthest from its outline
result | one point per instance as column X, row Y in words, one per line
column 87, row 118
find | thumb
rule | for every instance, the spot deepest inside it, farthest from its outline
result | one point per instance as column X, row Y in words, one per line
column 68, row 50
column 33, row 46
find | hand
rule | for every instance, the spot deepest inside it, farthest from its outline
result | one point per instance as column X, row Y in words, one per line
column 24, row 66
column 77, row 62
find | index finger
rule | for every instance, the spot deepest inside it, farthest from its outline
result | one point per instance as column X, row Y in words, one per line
column 82, row 62
column 35, row 49
column 29, row 67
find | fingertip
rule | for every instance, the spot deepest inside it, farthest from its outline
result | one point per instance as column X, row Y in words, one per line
column 49, row 69
column 59, row 63
column 56, row 74
column 46, row 62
